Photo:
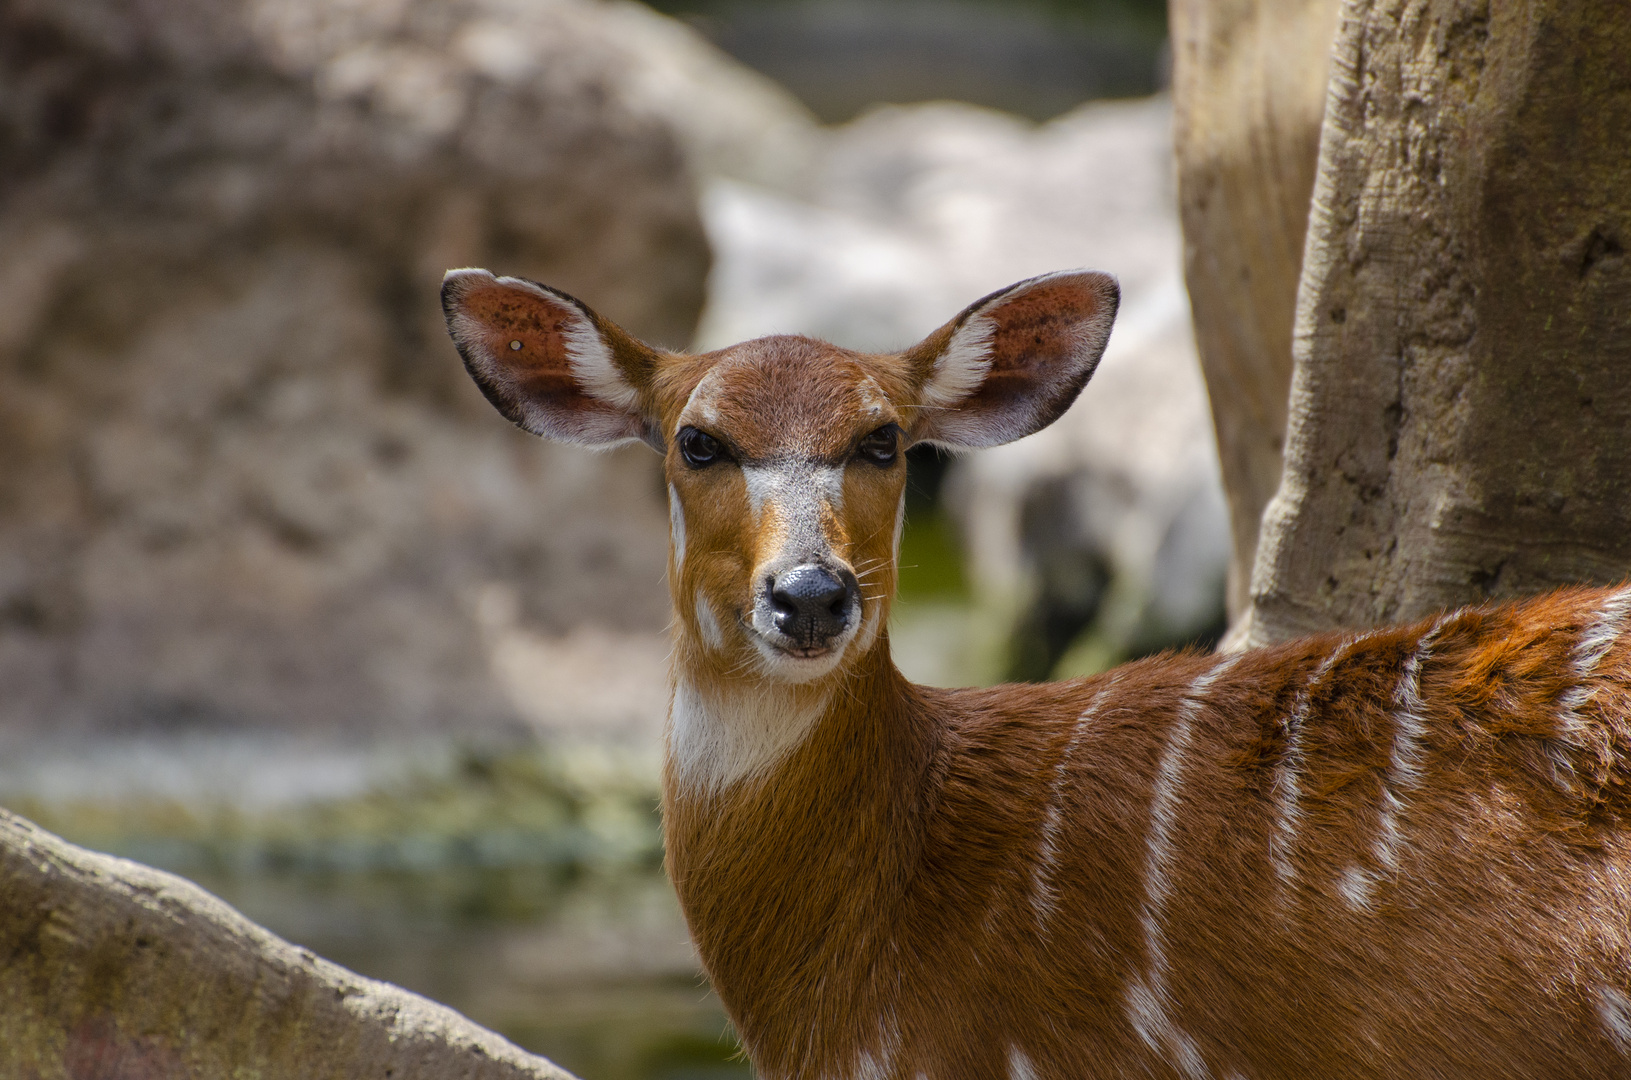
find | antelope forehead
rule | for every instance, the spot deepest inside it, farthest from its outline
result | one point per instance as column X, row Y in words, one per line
column 775, row 411
column 793, row 483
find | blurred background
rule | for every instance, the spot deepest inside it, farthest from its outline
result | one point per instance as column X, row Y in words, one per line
column 286, row 608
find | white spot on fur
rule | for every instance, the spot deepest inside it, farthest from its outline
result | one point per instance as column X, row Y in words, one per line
column 1147, row 996
column 676, row 527
column 1044, row 895
column 878, row 1063
column 1354, row 885
column 962, row 365
column 1019, row 1065
column 1403, row 771
column 1615, row 1010
column 708, row 625
column 716, row 741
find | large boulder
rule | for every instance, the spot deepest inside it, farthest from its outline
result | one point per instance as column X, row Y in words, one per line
column 244, row 480
column 120, row 972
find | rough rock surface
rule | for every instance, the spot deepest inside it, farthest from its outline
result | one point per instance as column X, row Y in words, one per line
column 120, row 972
column 1248, row 91
column 912, row 213
column 243, row 480
column 1461, row 401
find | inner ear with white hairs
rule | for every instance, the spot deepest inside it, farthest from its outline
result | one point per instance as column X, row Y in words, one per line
column 549, row 363
column 1013, row 362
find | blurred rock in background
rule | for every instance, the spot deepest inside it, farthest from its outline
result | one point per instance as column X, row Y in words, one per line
column 1105, row 535
column 245, row 483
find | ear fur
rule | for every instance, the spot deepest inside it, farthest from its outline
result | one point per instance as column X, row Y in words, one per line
column 1013, row 362
column 547, row 362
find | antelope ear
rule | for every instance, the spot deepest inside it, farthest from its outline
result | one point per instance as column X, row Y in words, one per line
column 1013, row 362
column 549, row 363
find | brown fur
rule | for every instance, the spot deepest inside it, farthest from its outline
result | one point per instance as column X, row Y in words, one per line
column 1402, row 853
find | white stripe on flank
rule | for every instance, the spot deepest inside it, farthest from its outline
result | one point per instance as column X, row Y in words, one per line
column 1403, row 771
column 1283, row 841
column 1589, row 650
column 1019, row 1065
column 1147, row 997
column 1044, row 895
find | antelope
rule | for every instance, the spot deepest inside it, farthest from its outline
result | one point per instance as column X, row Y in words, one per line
column 1396, row 853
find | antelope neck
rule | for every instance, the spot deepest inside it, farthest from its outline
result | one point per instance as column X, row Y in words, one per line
column 730, row 732
column 825, row 837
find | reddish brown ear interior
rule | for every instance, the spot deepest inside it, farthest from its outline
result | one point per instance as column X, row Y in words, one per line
column 1045, row 337
column 540, row 357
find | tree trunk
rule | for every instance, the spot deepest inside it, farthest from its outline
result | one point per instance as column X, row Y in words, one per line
column 1249, row 79
column 1461, row 395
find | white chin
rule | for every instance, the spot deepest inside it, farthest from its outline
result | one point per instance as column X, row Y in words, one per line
column 790, row 667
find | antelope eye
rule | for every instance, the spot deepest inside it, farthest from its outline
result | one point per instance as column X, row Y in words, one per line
column 881, row 446
column 700, row 449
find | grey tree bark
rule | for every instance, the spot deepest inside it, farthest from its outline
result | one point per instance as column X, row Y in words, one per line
column 1249, row 80
column 120, row 972
column 1461, row 397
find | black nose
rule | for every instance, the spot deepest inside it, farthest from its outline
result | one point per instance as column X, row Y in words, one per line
column 812, row 605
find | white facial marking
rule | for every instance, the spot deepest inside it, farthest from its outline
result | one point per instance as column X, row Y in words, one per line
column 800, row 496
column 1147, row 996
column 1019, row 1065
column 1044, row 894
column 1614, row 1007
column 873, row 402
column 676, row 527
column 900, row 524
column 708, row 626
column 701, row 408
column 717, row 741
column 869, row 630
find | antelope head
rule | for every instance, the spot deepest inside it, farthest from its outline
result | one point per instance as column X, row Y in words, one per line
column 785, row 464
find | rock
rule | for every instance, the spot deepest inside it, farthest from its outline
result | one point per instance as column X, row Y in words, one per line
column 118, row 971
column 917, row 211
column 245, row 482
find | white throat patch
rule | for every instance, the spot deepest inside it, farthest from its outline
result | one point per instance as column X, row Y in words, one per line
column 715, row 741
